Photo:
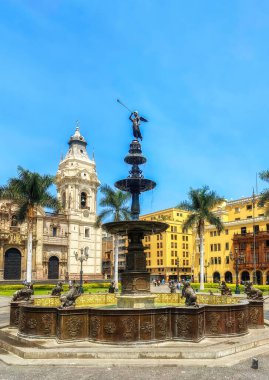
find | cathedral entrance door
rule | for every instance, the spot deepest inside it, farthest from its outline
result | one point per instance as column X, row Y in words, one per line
column 12, row 266
column 53, row 272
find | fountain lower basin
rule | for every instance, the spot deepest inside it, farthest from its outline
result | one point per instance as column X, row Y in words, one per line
column 96, row 318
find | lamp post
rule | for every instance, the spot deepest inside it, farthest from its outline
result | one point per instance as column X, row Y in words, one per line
column 206, row 266
column 84, row 255
column 177, row 264
column 237, row 259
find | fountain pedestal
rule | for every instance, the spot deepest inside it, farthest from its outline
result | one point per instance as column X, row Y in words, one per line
column 135, row 301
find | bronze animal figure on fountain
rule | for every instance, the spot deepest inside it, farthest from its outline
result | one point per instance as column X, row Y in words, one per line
column 68, row 299
column 189, row 294
column 57, row 290
column 24, row 294
column 251, row 292
column 224, row 290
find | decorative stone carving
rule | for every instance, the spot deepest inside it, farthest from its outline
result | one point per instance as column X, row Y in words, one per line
column 230, row 322
column 22, row 321
column 146, row 327
column 201, row 324
column 253, row 315
column 32, row 323
column 94, row 326
column 241, row 321
column 47, row 323
column 213, row 322
column 74, row 326
column 16, row 316
column 110, row 327
column 129, row 327
column 183, row 325
column 162, row 324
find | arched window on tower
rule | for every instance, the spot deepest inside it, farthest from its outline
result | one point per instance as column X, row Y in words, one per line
column 83, row 200
column 63, row 199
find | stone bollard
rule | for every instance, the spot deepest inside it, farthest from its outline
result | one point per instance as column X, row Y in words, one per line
column 255, row 363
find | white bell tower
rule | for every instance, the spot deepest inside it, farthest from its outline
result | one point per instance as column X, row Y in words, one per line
column 77, row 185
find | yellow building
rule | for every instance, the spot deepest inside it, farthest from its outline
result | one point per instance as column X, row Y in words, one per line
column 235, row 244
column 171, row 253
column 245, row 239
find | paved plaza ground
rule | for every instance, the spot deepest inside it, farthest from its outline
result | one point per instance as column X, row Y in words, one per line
column 227, row 369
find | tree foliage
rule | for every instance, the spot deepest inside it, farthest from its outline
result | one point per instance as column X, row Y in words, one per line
column 114, row 203
column 200, row 205
column 29, row 190
column 264, row 196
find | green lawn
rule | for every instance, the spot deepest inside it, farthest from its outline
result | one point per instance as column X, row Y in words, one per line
column 9, row 290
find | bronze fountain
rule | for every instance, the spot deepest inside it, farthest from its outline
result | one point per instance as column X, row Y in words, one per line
column 136, row 315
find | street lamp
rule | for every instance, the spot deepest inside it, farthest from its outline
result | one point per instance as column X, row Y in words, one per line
column 238, row 260
column 84, row 255
column 206, row 266
column 177, row 264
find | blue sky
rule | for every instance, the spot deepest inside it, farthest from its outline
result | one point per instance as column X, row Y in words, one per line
column 198, row 70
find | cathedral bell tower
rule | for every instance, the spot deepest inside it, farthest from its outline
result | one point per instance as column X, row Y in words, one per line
column 77, row 185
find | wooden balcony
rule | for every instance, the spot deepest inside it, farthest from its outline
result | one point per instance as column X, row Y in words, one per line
column 249, row 265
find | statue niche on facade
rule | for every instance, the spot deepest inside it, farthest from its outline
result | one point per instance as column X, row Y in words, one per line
column 24, row 294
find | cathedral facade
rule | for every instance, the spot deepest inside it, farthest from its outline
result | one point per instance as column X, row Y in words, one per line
column 58, row 238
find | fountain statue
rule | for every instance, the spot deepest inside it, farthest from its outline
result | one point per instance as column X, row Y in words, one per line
column 135, row 279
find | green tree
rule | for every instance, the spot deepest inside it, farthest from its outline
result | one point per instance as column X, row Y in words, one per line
column 29, row 191
column 264, row 196
column 115, row 209
column 200, row 205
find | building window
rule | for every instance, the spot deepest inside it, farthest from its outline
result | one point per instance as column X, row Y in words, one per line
column 87, row 232
column 243, row 230
column 249, row 207
column 226, row 232
column 219, row 260
column 227, row 260
column 236, row 219
column 83, row 199
column 237, row 209
column 256, row 229
column 226, row 246
column 54, row 231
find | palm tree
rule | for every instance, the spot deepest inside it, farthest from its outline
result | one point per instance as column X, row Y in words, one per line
column 116, row 209
column 201, row 203
column 29, row 191
column 264, row 197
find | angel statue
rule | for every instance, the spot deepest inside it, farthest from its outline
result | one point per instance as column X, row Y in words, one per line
column 136, row 123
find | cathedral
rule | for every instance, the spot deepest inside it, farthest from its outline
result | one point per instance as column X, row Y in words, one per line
column 58, row 238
